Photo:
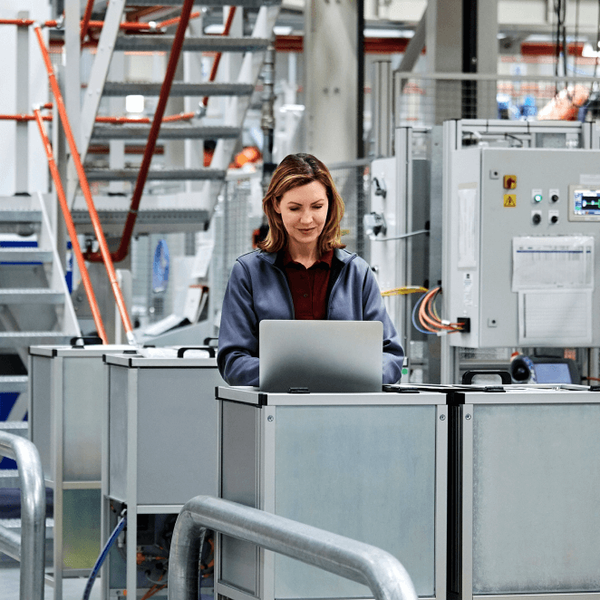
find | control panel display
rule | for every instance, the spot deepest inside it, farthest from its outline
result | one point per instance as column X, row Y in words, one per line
column 584, row 203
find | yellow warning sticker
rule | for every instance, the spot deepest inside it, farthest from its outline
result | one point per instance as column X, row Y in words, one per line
column 510, row 200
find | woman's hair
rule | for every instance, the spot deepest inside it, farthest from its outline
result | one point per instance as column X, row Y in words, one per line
column 293, row 171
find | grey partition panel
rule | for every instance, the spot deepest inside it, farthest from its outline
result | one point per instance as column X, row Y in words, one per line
column 82, row 414
column 536, row 498
column 364, row 472
column 40, row 418
column 117, row 432
column 240, row 445
column 179, row 407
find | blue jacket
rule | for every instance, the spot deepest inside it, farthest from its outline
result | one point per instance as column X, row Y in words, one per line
column 258, row 289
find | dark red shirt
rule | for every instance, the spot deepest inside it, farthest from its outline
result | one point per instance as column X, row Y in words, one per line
column 309, row 286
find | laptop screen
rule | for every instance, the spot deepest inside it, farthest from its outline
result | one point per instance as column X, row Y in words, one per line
column 320, row 356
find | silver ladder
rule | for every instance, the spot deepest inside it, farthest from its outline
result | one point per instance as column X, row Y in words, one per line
column 35, row 305
column 194, row 204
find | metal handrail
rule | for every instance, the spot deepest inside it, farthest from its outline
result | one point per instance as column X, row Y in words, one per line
column 379, row 570
column 29, row 549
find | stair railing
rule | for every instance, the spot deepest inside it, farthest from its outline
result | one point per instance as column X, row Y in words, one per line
column 29, row 547
column 85, row 188
column 373, row 567
column 62, row 199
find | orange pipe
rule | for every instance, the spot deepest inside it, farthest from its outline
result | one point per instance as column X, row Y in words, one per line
column 179, row 117
column 85, row 188
column 23, row 118
column 215, row 65
column 85, row 23
column 60, row 192
column 176, row 20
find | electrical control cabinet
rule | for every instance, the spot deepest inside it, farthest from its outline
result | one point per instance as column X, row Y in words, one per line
column 521, row 243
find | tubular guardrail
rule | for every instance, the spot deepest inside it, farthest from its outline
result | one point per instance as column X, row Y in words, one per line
column 29, row 549
column 379, row 570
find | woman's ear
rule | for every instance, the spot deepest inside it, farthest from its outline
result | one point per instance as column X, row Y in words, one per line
column 276, row 207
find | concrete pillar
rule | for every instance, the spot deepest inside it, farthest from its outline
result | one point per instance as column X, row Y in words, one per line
column 331, row 79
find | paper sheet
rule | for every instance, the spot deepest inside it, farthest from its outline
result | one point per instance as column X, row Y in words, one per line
column 553, row 262
column 547, row 316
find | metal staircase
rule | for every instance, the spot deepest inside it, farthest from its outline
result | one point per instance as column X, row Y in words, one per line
column 35, row 305
column 187, row 206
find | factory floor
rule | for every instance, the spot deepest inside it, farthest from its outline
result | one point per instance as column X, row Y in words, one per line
column 72, row 588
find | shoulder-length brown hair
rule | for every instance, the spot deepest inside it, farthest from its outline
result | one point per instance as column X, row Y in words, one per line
column 294, row 171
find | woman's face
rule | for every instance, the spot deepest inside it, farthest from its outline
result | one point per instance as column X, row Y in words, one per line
column 303, row 211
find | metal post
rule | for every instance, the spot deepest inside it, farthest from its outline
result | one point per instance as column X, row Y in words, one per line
column 379, row 570
column 267, row 121
column 22, row 106
column 382, row 108
column 30, row 548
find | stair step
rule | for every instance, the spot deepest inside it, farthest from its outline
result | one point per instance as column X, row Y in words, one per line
column 167, row 132
column 16, row 427
column 156, row 175
column 114, row 88
column 11, row 339
column 216, row 43
column 30, row 296
column 9, row 478
column 15, row 525
column 12, row 383
column 27, row 255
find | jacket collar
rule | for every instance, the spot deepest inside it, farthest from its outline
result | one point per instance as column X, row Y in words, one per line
column 339, row 253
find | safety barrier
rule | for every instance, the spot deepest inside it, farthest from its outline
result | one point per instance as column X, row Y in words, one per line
column 379, row 570
column 29, row 548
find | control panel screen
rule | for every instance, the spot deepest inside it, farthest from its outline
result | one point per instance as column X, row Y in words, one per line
column 584, row 203
column 552, row 373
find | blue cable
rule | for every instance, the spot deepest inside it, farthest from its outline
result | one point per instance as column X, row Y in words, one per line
column 414, row 321
column 100, row 561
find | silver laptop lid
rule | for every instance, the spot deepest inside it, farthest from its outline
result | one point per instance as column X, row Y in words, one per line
column 321, row 356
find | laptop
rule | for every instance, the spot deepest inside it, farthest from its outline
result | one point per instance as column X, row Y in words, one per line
column 320, row 356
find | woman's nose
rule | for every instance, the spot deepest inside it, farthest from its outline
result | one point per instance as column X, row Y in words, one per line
column 305, row 217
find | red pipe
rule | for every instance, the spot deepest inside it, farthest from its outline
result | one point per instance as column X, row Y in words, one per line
column 86, row 20
column 23, row 118
column 60, row 192
column 215, row 65
column 85, row 188
column 136, row 198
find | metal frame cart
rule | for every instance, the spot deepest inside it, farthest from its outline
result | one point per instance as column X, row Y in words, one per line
column 160, row 450
column 67, row 393
column 372, row 467
column 524, row 485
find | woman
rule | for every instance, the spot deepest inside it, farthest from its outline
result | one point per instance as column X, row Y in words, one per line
column 300, row 272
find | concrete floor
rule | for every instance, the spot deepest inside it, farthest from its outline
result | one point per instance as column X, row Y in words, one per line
column 72, row 588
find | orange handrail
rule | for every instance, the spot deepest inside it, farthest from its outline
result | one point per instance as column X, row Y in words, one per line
column 85, row 188
column 60, row 192
column 85, row 22
column 136, row 198
column 115, row 120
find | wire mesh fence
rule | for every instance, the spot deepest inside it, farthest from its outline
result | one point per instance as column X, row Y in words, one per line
column 429, row 99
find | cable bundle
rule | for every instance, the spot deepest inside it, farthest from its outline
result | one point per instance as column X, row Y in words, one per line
column 429, row 321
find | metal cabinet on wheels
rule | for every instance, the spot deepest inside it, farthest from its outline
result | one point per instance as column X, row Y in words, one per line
column 368, row 466
column 524, row 489
column 67, row 393
column 160, row 450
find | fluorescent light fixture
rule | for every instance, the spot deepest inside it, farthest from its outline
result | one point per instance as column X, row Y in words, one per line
column 134, row 104
column 282, row 30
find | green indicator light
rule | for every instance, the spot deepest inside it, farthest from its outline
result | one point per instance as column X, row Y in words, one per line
column 537, row 198
column 404, row 371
